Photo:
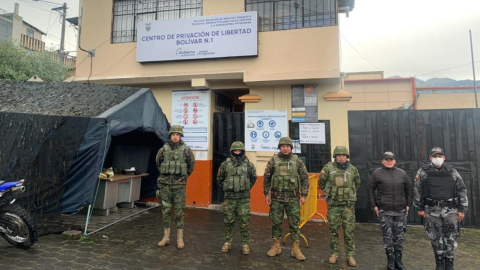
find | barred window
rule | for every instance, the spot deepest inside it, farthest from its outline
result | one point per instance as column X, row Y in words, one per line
column 292, row 14
column 127, row 14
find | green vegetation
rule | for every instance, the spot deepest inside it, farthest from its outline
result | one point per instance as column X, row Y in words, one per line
column 18, row 64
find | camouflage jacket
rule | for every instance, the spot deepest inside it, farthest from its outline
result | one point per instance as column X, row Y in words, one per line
column 282, row 195
column 421, row 176
column 175, row 179
column 325, row 174
column 223, row 173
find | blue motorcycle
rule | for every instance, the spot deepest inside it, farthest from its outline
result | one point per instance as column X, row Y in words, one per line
column 17, row 225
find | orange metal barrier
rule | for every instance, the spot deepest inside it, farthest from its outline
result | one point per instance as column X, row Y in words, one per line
column 309, row 209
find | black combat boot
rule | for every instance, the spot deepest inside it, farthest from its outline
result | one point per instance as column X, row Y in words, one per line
column 398, row 260
column 390, row 258
column 440, row 262
column 449, row 264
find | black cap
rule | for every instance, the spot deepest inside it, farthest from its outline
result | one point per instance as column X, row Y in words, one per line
column 436, row 150
column 388, row 154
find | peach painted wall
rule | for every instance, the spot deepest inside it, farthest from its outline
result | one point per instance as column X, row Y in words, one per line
column 199, row 184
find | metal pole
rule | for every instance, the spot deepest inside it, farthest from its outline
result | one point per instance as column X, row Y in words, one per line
column 88, row 219
column 62, row 41
column 473, row 69
column 63, row 12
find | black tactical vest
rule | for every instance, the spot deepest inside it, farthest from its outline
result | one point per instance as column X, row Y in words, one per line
column 439, row 185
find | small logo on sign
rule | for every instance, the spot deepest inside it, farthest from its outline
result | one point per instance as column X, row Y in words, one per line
column 148, row 26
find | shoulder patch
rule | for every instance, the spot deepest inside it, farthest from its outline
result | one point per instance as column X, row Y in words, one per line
column 416, row 178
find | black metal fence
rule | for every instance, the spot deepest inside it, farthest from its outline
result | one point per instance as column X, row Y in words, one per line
column 410, row 135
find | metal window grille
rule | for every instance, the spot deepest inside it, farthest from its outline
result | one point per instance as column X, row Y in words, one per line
column 293, row 14
column 315, row 156
column 30, row 33
column 127, row 14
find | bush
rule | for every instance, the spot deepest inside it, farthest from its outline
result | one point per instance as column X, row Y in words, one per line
column 18, row 64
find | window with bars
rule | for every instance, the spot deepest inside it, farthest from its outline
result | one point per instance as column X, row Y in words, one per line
column 30, row 33
column 293, row 14
column 315, row 156
column 127, row 14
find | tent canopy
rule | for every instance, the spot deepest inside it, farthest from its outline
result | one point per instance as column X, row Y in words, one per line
column 58, row 136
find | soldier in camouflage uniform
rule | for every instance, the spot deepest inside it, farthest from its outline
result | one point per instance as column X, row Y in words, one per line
column 441, row 198
column 340, row 180
column 236, row 176
column 285, row 186
column 175, row 162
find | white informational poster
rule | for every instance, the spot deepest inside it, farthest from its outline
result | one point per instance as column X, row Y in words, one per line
column 226, row 35
column 312, row 133
column 264, row 128
column 191, row 110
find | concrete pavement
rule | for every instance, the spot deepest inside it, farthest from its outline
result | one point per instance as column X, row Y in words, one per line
column 131, row 244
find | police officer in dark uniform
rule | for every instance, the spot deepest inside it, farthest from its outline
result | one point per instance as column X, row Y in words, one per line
column 441, row 198
column 390, row 193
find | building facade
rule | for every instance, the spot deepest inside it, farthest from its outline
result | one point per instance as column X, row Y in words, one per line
column 297, row 47
column 370, row 91
column 12, row 26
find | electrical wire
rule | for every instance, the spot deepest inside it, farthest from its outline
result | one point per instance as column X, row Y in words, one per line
column 49, row 27
column 362, row 55
column 446, row 69
column 30, row 4
column 48, row 2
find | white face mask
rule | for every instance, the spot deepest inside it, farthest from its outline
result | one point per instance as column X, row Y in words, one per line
column 438, row 161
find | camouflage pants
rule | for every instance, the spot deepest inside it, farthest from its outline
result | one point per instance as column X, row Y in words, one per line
column 341, row 216
column 393, row 229
column 441, row 226
column 172, row 196
column 237, row 209
column 277, row 211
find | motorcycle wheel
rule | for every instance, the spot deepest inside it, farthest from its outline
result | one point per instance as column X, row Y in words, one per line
column 26, row 232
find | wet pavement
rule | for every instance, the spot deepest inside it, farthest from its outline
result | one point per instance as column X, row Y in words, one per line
column 131, row 244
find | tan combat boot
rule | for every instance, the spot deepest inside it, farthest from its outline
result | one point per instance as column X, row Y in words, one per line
column 351, row 261
column 180, row 244
column 296, row 251
column 245, row 249
column 275, row 249
column 166, row 238
column 333, row 259
column 226, row 246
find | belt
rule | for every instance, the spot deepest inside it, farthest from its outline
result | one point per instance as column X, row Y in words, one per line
column 442, row 203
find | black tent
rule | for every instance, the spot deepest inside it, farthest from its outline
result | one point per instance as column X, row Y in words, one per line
column 59, row 136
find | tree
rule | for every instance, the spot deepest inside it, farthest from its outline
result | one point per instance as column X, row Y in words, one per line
column 18, row 64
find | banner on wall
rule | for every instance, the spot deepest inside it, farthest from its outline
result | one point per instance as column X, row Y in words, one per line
column 191, row 110
column 264, row 128
column 219, row 36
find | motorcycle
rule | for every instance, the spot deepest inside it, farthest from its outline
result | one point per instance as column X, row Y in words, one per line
column 17, row 225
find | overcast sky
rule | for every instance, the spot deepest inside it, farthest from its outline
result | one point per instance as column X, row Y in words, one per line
column 412, row 38
column 423, row 38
